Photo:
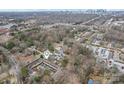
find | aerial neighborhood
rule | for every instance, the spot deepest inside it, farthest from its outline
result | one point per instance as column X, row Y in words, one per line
column 62, row 47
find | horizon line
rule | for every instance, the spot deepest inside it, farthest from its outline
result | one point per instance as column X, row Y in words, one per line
column 40, row 10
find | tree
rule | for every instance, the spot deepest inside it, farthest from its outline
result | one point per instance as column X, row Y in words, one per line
column 84, row 51
column 37, row 79
column 64, row 62
column 9, row 45
column 46, row 72
column 50, row 47
column 41, row 56
column 22, row 36
column 24, row 72
column 29, row 42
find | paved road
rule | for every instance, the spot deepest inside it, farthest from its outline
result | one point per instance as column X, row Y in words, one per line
column 91, row 20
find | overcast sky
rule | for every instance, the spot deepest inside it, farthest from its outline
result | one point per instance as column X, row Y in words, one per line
column 61, row 4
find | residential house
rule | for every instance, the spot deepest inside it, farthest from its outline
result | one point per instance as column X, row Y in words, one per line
column 110, row 63
column 59, row 53
column 46, row 54
column 103, row 53
column 99, row 37
column 96, row 42
column 119, row 65
column 4, row 31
